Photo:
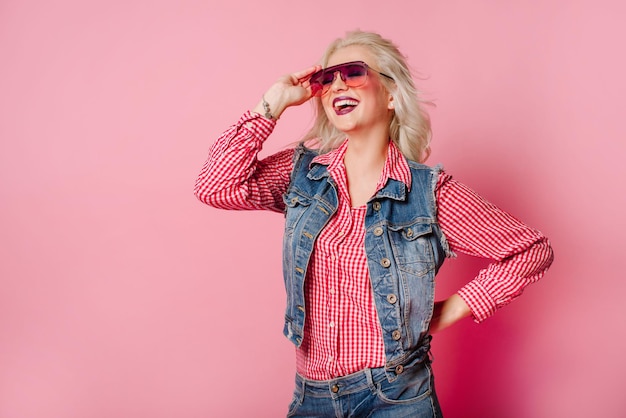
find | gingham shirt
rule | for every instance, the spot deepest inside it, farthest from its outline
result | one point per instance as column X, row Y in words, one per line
column 342, row 333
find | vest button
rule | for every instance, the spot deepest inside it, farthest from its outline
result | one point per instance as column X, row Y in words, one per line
column 385, row 262
column 396, row 335
column 334, row 388
column 378, row 231
column 399, row 369
column 376, row 206
column 392, row 298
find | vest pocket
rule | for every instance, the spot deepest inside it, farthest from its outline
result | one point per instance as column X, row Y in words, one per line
column 293, row 199
column 412, row 248
column 296, row 204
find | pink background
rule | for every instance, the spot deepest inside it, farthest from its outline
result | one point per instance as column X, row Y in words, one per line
column 122, row 296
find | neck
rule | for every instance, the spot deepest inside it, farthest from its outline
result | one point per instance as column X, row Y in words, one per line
column 367, row 151
column 364, row 163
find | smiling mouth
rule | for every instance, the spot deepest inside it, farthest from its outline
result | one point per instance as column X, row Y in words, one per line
column 343, row 105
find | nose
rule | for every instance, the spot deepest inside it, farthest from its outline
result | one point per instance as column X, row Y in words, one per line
column 338, row 83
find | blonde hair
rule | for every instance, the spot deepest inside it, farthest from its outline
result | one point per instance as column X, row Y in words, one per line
column 410, row 125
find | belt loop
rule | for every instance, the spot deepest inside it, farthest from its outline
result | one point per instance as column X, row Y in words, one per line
column 302, row 384
column 370, row 380
column 303, row 387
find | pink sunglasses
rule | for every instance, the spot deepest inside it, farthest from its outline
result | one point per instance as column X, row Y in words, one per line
column 353, row 74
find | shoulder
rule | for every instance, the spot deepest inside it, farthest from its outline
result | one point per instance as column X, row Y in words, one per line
column 421, row 167
column 435, row 175
column 303, row 156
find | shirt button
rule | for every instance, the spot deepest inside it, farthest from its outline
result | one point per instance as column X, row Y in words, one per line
column 399, row 369
column 332, row 324
column 385, row 262
column 340, row 233
column 378, row 231
column 396, row 335
column 392, row 298
column 331, row 291
column 334, row 388
column 376, row 206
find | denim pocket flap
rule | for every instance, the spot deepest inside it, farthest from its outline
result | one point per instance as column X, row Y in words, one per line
column 294, row 199
column 413, row 232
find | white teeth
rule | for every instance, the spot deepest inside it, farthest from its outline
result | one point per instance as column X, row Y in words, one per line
column 346, row 102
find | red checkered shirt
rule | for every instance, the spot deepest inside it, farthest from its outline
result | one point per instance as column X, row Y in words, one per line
column 342, row 333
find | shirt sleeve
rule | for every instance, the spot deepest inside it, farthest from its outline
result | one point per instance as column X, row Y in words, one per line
column 234, row 178
column 521, row 255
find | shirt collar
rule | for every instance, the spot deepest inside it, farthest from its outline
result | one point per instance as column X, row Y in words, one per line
column 396, row 167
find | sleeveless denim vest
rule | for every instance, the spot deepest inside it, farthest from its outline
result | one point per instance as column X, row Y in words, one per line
column 403, row 244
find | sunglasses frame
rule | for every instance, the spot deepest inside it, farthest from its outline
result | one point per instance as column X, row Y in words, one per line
column 321, row 89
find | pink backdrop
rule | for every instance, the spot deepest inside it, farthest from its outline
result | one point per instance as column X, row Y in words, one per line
column 122, row 296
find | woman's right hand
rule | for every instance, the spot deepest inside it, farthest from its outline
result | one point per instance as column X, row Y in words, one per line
column 289, row 90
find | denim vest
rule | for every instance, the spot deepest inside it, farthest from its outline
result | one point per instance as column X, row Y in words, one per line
column 403, row 244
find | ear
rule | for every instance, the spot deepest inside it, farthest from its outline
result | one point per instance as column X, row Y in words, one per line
column 390, row 103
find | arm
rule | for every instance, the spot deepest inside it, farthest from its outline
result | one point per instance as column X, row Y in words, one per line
column 520, row 254
column 233, row 177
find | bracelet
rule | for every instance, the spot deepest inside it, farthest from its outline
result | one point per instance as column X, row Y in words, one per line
column 266, row 107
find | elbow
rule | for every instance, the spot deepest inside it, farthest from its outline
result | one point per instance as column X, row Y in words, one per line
column 543, row 256
column 205, row 193
column 210, row 199
column 548, row 253
column 200, row 190
column 220, row 197
column 202, row 197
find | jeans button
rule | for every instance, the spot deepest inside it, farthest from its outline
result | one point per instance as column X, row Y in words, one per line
column 399, row 369
column 334, row 388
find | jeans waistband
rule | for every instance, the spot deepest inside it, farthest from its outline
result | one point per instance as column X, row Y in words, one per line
column 344, row 385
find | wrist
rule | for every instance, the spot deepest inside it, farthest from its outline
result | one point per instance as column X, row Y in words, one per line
column 267, row 109
column 276, row 99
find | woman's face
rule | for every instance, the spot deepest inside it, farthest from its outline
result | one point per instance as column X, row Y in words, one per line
column 354, row 110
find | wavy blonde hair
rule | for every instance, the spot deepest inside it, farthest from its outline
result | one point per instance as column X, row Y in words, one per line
column 410, row 125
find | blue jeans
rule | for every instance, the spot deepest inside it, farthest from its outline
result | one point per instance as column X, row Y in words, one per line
column 368, row 393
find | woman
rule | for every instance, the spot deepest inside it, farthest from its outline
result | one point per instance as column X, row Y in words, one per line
column 367, row 228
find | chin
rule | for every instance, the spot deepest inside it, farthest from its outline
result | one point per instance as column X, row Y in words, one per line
column 345, row 128
column 344, row 123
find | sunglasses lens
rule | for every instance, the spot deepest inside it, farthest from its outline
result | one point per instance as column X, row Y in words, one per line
column 353, row 74
column 316, row 82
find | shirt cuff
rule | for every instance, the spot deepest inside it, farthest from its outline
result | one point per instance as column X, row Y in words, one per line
column 257, row 124
column 479, row 300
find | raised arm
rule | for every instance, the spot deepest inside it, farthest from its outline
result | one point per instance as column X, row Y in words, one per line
column 233, row 177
